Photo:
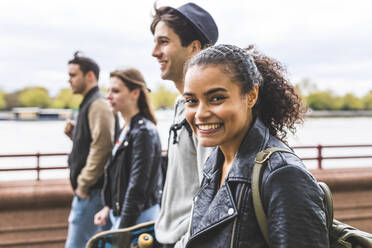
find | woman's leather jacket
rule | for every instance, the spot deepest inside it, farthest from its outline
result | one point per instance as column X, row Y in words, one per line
column 293, row 202
column 131, row 176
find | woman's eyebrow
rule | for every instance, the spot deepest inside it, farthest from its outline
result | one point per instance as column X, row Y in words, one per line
column 187, row 94
column 211, row 91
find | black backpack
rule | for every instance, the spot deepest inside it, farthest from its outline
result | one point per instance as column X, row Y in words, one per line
column 341, row 235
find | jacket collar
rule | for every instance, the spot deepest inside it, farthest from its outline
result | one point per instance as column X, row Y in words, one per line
column 254, row 141
column 88, row 95
column 211, row 208
column 136, row 120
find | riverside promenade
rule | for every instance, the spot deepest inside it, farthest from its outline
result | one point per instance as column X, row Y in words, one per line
column 34, row 213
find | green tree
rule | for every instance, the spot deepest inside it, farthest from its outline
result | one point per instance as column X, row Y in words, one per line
column 337, row 103
column 66, row 99
column 163, row 98
column 11, row 100
column 351, row 102
column 2, row 100
column 367, row 101
column 323, row 100
column 34, row 97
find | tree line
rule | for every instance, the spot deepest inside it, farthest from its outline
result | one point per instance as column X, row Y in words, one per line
column 162, row 97
column 65, row 99
column 327, row 100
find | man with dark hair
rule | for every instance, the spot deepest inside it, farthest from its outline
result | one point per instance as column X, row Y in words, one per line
column 180, row 34
column 92, row 138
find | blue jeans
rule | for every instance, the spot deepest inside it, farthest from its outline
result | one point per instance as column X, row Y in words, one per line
column 149, row 214
column 81, row 220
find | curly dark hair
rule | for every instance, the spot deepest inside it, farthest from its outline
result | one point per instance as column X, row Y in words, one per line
column 278, row 106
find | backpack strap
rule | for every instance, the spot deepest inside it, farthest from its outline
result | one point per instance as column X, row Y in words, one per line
column 258, row 168
column 329, row 203
column 175, row 127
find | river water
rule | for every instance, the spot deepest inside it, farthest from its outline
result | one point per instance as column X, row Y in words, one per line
column 18, row 137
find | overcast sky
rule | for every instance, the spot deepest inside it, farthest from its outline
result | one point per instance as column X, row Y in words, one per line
column 326, row 41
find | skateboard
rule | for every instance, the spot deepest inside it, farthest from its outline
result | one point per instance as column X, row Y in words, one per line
column 138, row 236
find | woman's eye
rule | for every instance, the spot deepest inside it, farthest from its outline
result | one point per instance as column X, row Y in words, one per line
column 217, row 98
column 190, row 100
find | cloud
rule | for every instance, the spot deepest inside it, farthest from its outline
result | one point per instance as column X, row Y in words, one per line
column 326, row 41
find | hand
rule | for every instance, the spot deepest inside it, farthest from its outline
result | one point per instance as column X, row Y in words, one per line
column 69, row 128
column 100, row 218
column 81, row 194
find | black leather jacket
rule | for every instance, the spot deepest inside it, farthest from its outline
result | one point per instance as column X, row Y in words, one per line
column 131, row 176
column 293, row 202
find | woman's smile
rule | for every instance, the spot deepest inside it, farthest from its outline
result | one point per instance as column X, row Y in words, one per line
column 208, row 128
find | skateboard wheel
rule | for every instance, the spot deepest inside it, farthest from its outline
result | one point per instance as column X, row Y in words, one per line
column 145, row 240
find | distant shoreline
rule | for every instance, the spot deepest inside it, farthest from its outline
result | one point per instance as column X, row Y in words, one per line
column 338, row 113
column 9, row 115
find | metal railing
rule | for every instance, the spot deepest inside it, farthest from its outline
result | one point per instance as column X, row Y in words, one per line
column 38, row 168
column 319, row 157
column 320, row 151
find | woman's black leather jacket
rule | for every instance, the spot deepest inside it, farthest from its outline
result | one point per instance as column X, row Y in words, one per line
column 293, row 202
column 131, row 176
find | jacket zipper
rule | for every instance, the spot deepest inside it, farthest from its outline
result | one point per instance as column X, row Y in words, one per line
column 236, row 220
column 117, row 207
column 118, row 185
column 117, row 204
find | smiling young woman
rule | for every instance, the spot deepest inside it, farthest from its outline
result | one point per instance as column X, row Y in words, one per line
column 240, row 101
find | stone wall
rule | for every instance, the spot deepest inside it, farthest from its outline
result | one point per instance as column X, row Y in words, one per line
column 35, row 213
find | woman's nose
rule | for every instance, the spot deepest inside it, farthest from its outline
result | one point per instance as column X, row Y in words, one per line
column 109, row 96
column 202, row 112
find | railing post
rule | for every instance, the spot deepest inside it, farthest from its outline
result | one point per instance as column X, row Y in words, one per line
column 38, row 166
column 320, row 157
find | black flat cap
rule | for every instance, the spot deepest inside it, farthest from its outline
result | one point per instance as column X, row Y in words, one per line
column 201, row 20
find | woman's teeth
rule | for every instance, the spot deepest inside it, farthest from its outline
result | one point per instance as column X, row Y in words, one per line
column 209, row 127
